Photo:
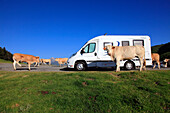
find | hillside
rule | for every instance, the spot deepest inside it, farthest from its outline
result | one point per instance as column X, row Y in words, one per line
column 4, row 54
column 163, row 50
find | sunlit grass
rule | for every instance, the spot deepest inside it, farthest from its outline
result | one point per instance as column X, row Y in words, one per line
column 146, row 91
column 4, row 61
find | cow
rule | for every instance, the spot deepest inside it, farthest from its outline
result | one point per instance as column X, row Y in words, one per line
column 61, row 60
column 167, row 62
column 155, row 57
column 30, row 59
column 37, row 63
column 46, row 61
column 125, row 53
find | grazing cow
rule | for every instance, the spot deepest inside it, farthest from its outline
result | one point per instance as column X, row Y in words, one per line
column 46, row 61
column 167, row 62
column 30, row 59
column 155, row 57
column 126, row 52
column 61, row 60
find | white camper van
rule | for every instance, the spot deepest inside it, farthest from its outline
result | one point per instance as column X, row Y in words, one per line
column 92, row 53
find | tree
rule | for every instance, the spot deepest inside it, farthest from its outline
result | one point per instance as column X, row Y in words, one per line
column 4, row 54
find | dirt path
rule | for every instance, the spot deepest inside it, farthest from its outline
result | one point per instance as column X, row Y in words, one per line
column 9, row 67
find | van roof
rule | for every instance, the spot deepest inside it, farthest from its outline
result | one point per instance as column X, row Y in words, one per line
column 120, row 36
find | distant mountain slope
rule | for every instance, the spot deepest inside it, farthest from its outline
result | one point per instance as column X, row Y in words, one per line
column 4, row 54
column 163, row 50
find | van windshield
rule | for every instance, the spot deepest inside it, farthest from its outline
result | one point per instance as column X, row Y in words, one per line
column 84, row 44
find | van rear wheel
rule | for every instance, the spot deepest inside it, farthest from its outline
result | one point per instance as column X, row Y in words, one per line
column 129, row 65
column 80, row 66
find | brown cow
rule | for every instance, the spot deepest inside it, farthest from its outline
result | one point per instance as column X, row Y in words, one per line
column 30, row 59
column 155, row 57
column 126, row 52
column 61, row 60
column 38, row 61
column 46, row 61
column 167, row 61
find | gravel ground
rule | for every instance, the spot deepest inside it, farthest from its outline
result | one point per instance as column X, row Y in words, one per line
column 9, row 67
column 50, row 68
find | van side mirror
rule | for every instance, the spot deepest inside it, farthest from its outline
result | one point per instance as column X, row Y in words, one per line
column 82, row 51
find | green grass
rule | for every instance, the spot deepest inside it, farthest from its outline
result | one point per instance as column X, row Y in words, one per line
column 89, row 92
column 4, row 61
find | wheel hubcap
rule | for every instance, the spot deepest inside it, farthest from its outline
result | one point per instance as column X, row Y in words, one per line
column 79, row 66
column 129, row 65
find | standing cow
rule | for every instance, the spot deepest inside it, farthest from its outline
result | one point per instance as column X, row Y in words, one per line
column 61, row 60
column 167, row 62
column 155, row 57
column 126, row 52
column 30, row 59
column 45, row 61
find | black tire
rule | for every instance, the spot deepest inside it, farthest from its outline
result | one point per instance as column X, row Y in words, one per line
column 129, row 65
column 80, row 66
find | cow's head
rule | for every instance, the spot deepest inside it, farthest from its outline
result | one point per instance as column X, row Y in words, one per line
column 56, row 59
column 37, row 58
column 166, row 60
column 109, row 49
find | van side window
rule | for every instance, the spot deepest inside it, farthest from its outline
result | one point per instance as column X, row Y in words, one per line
column 107, row 43
column 125, row 43
column 138, row 42
column 86, row 49
column 90, row 48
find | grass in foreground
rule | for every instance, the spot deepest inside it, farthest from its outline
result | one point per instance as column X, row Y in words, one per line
column 89, row 92
column 5, row 61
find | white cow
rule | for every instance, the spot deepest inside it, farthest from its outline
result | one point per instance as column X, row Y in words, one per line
column 126, row 52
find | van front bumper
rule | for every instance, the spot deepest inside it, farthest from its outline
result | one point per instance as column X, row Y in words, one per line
column 70, row 66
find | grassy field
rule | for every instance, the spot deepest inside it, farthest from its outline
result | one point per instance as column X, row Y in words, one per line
column 108, row 91
column 4, row 61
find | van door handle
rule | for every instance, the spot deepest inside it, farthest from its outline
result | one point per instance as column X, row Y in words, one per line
column 95, row 54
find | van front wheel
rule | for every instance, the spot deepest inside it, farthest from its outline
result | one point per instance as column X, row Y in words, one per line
column 80, row 66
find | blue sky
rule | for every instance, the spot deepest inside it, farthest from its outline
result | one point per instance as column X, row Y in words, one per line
column 58, row 28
